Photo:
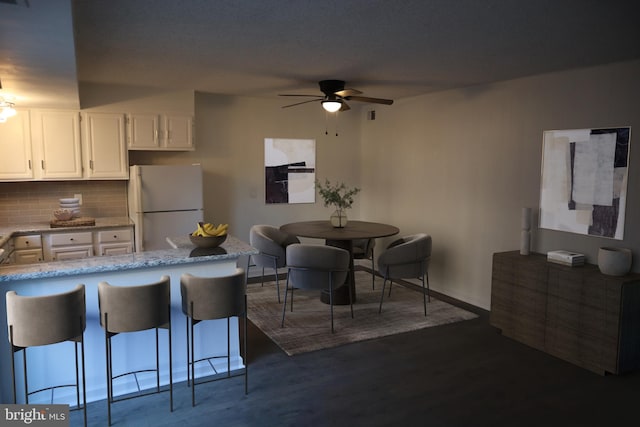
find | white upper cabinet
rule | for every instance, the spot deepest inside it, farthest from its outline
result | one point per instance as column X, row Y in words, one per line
column 160, row 132
column 144, row 131
column 179, row 132
column 104, row 146
column 15, row 148
column 55, row 138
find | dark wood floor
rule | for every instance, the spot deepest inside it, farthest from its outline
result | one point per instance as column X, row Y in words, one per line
column 463, row 374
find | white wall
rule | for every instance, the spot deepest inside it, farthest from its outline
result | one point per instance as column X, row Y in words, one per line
column 461, row 164
column 230, row 134
column 458, row 164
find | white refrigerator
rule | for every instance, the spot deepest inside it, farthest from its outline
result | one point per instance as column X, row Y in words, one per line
column 164, row 201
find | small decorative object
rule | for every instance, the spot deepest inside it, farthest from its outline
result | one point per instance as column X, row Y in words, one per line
column 525, row 234
column 614, row 261
column 63, row 214
column 72, row 205
column 340, row 196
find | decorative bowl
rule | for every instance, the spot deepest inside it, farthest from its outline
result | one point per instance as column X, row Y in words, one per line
column 63, row 214
column 207, row 241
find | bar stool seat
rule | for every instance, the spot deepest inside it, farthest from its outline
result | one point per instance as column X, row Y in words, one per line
column 44, row 320
column 210, row 298
column 132, row 309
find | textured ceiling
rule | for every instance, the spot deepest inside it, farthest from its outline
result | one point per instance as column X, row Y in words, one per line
column 385, row 48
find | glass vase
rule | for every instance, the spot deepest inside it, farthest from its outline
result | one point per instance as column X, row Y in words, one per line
column 338, row 218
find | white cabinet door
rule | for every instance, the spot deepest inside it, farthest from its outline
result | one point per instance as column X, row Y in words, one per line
column 63, row 246
column 179, row 133
column 117, row 241
column 105, row 151
column 143, row 131
column 56, row 138
column 160, row 132
column 15, row 148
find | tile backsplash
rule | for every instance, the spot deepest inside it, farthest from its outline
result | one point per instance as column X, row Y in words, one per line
column 29, row 202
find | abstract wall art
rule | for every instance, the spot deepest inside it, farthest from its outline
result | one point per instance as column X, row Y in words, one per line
column 584, row 181
column 289, row 170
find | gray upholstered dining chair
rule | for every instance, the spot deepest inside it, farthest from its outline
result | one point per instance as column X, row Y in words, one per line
column 211, row 298
column 364, row 249
column 272, row 244
column 132, row 309
column 43, row 320
column 315, row 267
column 406, row 258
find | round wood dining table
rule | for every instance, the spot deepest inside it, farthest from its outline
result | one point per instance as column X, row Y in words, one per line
column 341, row 238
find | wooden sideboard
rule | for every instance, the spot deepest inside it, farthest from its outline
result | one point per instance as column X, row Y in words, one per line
column 575, row 313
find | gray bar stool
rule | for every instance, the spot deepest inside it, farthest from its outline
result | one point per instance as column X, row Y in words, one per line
column 132, row 309
column 209, row 298
column 43, row 320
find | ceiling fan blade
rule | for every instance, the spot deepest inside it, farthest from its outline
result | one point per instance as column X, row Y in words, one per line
column 303, row 102
column 294, row 94
column 344, row 107
column 372, row 100
column 347, row 92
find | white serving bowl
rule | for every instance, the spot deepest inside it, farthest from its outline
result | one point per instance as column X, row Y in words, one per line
column 69, row 200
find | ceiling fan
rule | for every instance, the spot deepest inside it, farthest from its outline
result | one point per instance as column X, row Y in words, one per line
column 335, row 97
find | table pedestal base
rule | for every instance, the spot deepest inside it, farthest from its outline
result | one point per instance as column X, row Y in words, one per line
column 340, row 296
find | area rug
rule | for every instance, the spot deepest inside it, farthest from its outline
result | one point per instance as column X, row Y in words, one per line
column 308, row 327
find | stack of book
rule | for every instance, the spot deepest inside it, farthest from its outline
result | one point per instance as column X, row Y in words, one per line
column 571, row 259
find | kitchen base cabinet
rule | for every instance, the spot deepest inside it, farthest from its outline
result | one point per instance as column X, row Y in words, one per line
column 574, row 313
column 113, row 242
column 27, row 249
column 66, row 246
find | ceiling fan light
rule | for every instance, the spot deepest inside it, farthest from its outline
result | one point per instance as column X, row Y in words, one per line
column 331, row 106
column 6, row 110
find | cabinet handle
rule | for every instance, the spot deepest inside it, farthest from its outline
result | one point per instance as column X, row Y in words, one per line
column 42, row 164
column 91, row 164
column 71, row 239
column 115, row 236
column 29, row 164
column 155, row 134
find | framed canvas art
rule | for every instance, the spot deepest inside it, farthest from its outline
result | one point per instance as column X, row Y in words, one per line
column 289, row 170
column 584, row 181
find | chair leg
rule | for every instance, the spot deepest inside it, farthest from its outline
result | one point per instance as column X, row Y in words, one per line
column 284, row 305
column 246, row 360
column 424, row 296
column 373, row 273
column 193, row 362
column 351, row 302
column 84, row 381
column 170, row 363
column 331, row 298
column 384, row 283
column 428, row 289
column 188, row 352
column 275, row 269
column 157, row 361
column 107, row 349
column 13, row 364
column 26, row 382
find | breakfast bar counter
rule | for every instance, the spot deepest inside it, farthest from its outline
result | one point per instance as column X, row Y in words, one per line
column 120, row 270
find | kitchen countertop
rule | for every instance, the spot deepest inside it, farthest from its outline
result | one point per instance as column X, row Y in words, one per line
column 184, row 253
column 8, row 231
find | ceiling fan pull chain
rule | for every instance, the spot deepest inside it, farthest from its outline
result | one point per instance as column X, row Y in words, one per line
column 326, row 123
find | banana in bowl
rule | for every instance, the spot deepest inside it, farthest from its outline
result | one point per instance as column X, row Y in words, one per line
column 207, row 235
